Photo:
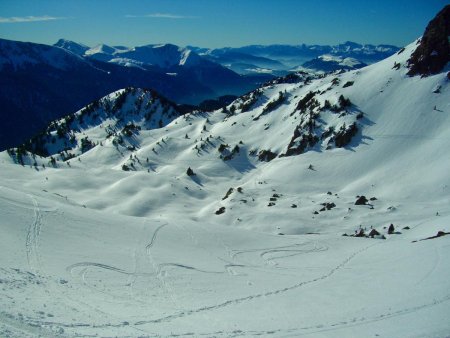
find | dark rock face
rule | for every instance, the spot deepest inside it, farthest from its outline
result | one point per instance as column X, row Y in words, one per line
column 344, row 136
column 391, row 229
column 433, row 52
column 266, row 155
column 373, row 233
column 362, row 200
column 190, row 172
column 220, row 211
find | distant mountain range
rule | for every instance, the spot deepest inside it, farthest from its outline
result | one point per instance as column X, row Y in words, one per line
column 280, row 59
column 254, row 59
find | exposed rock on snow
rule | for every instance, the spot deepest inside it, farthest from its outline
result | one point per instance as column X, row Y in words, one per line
column 433, row 50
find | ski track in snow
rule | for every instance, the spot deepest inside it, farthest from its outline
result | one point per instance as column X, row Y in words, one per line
column 25, row 329
column 37, row 326
column 228, row 266
column 32, row 239
column 436, row 262
column 323, row 327
column 270, row 256
column 285, row 251
column 289, row 252
column 263, row 252
column 255, row 296
column 187, row 267
column 290, row 249
column 139, row 253
column 160, row 275
column 155, row 234
column 72, row 267
column 81, row 269
column 355, row 321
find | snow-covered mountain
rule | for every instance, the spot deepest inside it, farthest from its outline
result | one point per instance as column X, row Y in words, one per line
column 41, row 83
column 118, row 116
column 76, row 48
column 18, row 55
column 164, row 56
column 177, row 61
column 230, row 223
column 180, row 62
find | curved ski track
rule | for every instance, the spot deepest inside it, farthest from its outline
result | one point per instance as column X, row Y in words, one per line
column 296, row 331
column 32, row 239
column 255, row 296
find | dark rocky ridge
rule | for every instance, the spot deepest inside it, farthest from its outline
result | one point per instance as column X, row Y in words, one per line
column 433, row 52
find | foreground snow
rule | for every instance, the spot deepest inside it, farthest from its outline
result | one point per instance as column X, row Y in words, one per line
column 88, row 249
column 71, row 271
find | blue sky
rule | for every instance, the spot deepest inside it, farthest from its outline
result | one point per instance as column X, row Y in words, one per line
column 216, row 23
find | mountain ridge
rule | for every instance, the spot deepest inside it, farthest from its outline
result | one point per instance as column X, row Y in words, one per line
column 280, row 59
column 32, row 95
column 251, row 59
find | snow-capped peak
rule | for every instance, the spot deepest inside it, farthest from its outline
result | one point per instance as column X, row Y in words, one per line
column 101, row 48
column 74, row 47
column 161, row 55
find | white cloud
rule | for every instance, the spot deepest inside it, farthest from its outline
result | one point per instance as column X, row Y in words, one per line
column 162, row 16
column 18, row 19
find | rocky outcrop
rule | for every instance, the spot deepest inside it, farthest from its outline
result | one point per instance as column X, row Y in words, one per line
column 433, row 51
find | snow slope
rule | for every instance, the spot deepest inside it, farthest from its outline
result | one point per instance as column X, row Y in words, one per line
column 91, row 249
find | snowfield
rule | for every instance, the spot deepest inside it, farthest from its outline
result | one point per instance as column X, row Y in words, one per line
column 90, row 249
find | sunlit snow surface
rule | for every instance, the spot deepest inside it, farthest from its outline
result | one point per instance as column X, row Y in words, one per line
column 91, row 250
